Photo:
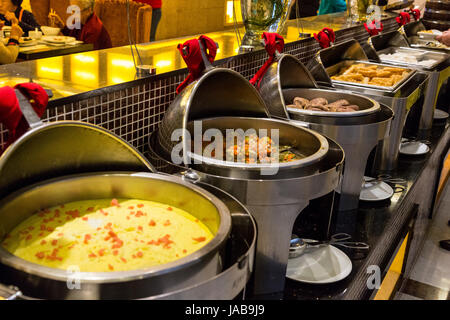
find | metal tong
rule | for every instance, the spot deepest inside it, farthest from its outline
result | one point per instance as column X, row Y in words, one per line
column 10, row 292
column 398, row 183
column 298, row 245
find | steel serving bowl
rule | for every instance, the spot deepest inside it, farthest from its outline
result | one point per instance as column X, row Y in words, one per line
column 366, row 105
column 43, row 282
column 309, row 143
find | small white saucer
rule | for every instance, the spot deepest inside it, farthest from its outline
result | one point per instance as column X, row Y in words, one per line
column 319, row 266
column 413, row 148
column 440, row 115
column 375, row 191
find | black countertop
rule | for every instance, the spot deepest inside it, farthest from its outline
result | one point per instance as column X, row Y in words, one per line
column 371, row 223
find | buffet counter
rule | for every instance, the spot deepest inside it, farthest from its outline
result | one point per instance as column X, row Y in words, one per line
column 76, row 75
column 384, row 227
column 100, row 89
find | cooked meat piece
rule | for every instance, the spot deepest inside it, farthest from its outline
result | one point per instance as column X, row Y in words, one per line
column 314, row 109
column 341, row 102
column 318, row 107
column 318, row 101
column 301, row 102
column 353, row 106
column 333, row 107
column 293, row 106
column 347, row 109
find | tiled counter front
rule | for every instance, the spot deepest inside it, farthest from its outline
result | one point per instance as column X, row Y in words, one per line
column 133, row 110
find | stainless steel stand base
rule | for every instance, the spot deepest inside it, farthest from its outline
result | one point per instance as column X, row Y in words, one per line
column 357, row 140
column 388, row 149
column 435, row 81
column 275, row 204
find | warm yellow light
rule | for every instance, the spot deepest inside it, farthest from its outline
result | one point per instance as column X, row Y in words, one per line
column 122, row 63
column 85, row 69
column 50, row 70
column 85, row 75
column 117, row 80
column 163, row 63
column 229, row 13
column 84, row 58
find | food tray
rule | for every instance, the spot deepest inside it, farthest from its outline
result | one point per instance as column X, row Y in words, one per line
column 333, row 70
column 421, row 55
column 428, row 45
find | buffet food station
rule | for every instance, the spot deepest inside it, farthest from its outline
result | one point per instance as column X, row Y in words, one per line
column 339, row 114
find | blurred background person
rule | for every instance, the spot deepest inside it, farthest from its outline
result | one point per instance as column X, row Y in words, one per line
column 444, row 38
column 306, row 8
column 332, row 6
column 11, row 12
column 92, row 29
column 156, row 15
column 10, row 51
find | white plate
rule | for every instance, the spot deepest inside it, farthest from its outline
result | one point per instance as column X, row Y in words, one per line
column 413, row 148
column 27, row 43
column 58, row 39
column 428, row 35
column 319, row 266
column 375, row 191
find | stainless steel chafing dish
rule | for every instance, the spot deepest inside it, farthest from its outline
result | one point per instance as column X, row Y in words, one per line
column 438, row 72
column 223, row 99
column 334, row 70
column 400, row 98
column 357, row 132
column 67, row 161
column 410, row 31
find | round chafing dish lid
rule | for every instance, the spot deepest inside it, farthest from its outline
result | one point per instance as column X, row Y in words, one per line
column 347, row 50
column 62, row 148
column 287, row 72
column 218, row 93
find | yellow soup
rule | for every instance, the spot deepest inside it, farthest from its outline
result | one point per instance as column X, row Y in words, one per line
column 107, row 235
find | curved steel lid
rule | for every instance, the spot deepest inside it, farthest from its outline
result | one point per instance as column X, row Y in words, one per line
column 289, row 75
column 287, row 72
column 218, row 93
column 65, row 147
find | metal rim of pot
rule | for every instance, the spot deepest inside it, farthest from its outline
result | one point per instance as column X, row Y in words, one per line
column 375, row 107
column 20, row 264
column 313, row 158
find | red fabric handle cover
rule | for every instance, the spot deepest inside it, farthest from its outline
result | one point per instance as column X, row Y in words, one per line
column 403, row 18
column 416, row 14
column 325, row 37
column 11, row 115
column 374, row 28
column 273, row 43
column 190, row 51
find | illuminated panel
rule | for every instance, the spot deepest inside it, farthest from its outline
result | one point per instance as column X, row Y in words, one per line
column 50, row 68
column 229, row 12
column 120, row 68
column 164, row 61
column 84, row 69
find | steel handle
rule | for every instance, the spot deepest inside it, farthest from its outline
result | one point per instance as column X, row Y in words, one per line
column 208, row 65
